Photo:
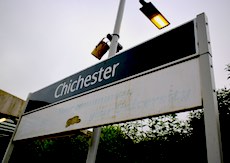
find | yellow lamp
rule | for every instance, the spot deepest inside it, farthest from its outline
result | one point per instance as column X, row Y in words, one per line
column 154, row 15
column 100, row 49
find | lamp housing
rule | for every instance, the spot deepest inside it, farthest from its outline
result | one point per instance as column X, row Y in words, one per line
column 153, row 15
column 100, row 49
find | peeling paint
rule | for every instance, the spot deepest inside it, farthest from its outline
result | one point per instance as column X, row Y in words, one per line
column 72, row 121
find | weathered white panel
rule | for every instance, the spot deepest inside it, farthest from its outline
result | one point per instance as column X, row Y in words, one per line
column 171, row 89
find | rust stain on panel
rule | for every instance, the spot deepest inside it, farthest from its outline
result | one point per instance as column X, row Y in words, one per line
column 72, row 121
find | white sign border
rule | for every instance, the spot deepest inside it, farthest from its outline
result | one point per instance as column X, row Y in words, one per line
column 171, row 89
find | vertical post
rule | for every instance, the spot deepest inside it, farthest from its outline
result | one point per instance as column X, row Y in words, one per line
column 211, row 116
column 93, row 146
column 91, row 157
column 116, row 31
column 10, row 147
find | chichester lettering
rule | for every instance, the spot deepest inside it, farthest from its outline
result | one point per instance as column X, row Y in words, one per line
column 91, row 79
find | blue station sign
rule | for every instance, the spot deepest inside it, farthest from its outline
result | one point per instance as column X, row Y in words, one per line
column 171, row 46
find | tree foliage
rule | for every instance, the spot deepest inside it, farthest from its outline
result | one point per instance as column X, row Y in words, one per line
column 163, row 139
column 223, row 97
column 114, row 145
column 71, row 148
column 228, row 70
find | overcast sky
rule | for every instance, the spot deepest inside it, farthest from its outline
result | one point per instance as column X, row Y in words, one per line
column 44, row 41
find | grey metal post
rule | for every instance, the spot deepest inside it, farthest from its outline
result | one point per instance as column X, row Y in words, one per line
column 91, row 157
column 93, row 146
column 10, row 147
column 116, row 31
column 211, row 116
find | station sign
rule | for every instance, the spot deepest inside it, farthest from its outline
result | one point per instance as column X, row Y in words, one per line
column 171, row 89
column 167, row 74
column 171, row 46
column 159, row 76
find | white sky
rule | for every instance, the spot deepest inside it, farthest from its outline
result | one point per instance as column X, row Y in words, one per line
column 44, row 41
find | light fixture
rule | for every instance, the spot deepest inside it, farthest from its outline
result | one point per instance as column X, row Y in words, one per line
column 154, row 15
column 100, row 49
column 2, row 119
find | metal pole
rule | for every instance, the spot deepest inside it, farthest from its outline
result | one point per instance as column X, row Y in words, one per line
column 10, row 147
column 93, row 146
column 116, row 31
column 91, row 157
column 211, row 117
